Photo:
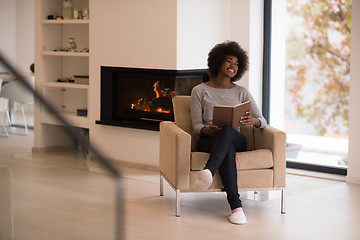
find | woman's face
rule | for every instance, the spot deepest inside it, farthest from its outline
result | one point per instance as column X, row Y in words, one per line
column 230, row 67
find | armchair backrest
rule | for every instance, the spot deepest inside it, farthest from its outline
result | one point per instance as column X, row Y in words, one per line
column 182, row 114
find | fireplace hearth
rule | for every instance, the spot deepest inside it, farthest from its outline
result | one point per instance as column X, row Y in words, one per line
column 142, row 98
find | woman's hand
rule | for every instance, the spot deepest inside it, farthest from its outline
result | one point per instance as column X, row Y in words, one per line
column 211, row 130
column 248, row 119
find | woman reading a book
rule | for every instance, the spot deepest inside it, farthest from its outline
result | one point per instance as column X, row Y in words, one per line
column 227, row 63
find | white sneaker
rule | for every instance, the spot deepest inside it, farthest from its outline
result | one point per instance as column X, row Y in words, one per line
column 238, row 217
column 203, row 180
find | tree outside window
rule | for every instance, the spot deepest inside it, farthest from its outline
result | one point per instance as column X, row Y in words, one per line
column 318, row 65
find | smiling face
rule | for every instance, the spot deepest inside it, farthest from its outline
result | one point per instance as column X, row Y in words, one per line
column 230, row 66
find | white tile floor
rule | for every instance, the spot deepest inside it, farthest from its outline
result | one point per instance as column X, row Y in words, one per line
column 55, row 197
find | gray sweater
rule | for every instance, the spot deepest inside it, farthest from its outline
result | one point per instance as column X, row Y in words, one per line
column 204, row 98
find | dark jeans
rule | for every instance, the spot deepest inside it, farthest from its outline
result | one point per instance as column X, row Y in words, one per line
column 222, row 148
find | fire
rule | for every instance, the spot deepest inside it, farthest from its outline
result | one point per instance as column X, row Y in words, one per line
column 161, row 103
column 166, row 92
column 141, row 102
column 163, row 111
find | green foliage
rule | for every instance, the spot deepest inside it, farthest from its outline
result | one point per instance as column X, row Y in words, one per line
column 318, row 59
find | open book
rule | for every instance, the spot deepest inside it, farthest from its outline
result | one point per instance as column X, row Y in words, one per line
column 230, row 115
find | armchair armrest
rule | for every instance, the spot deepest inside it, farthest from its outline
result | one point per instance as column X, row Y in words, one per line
column 175, row 152
column 275, row 140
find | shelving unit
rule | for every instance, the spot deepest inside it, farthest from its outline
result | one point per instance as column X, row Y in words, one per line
column 53, row 62
column 71, row 21
column 65, row 85
column 65, row 54
column 51, row 119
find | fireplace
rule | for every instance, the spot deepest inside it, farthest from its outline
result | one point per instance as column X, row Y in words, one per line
column 142, row 98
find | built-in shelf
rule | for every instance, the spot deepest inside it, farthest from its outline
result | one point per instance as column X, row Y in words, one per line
column 65, row 54
column 64, row 85
column 72, row 118
column 70, row 21
column 53, row 62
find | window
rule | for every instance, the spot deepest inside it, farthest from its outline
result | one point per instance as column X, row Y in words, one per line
column 309, row 80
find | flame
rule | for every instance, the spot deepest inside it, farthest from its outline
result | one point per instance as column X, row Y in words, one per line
column 160, row 110
column 157, row 89
column 143, row 105
column 166, row 92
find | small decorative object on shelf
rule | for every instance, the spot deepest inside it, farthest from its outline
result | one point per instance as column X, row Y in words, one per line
column 85, row 14
column 80, row 14
column 71, row 45
column 81, row 112
column 67, row 10
column 81, row 79
column 76, row 16
column 65, row 80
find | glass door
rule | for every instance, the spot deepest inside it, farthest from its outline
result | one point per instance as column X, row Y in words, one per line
column 309, row 80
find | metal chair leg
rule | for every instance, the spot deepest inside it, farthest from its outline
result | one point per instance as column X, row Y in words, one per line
column 161, row 185
column 283, row 196
column 8, row 117
column 178, row 203
column 25, row 121
column 4, row 130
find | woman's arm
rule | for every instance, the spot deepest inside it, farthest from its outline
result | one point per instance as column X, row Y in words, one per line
column 196, row 111
column 210, row 131
column 254, row 116
column 249, row 119
column 197, row 115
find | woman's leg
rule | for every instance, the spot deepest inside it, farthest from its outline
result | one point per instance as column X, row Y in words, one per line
column 228, row 137
column 205, row 177
column 223, row 150
column 228, row 174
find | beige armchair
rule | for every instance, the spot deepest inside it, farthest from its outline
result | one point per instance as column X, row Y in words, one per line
column 261, row 167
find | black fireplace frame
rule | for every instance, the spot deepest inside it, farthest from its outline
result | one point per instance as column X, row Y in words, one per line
column 107, row 111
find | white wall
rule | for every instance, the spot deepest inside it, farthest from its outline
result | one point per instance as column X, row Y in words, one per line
column 240, row 31
column 25, row 34
column 17, row 33
column 353, row 175
column 132, row 33
column 200, row 25
column 204, row 23
column 8, row 30
column 167, row 34
column 256, row 50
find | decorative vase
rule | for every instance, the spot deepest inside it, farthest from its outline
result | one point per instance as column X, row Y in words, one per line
column 71, row 45
column 67, row 9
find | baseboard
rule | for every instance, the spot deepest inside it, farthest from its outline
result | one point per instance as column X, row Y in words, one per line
column 95, row 166
column 355, row 180
column 52, row 149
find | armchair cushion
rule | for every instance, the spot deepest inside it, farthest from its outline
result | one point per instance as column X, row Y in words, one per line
column 257, row 159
